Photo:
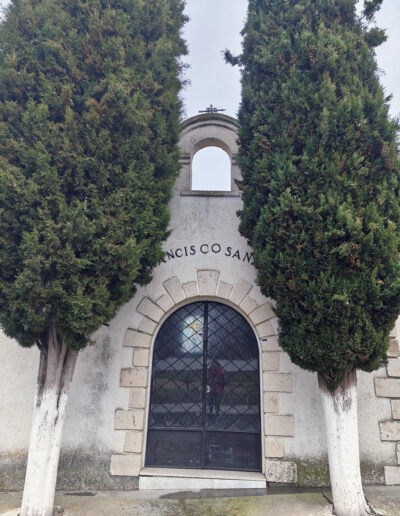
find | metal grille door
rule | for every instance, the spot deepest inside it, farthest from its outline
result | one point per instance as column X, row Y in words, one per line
column 205, row 393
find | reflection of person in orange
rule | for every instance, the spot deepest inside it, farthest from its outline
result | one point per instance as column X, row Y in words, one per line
column 215, row 387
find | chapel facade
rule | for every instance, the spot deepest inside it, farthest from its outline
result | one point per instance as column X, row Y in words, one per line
column 187, row 386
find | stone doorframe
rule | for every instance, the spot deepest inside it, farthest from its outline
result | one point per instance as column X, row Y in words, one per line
column 276, row 427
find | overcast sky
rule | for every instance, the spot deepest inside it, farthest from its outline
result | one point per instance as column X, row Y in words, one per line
column 216, row 24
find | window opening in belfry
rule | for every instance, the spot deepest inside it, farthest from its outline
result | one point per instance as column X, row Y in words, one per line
column 211, row 170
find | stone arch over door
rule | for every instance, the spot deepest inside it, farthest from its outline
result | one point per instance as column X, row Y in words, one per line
column 132, row 420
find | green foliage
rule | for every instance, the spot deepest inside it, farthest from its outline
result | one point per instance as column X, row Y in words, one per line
column 320, row 182
column 89, row 124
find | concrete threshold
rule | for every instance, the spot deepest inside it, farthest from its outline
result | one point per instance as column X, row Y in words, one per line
column 188, row 479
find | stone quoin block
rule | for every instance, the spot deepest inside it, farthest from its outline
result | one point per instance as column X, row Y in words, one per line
column 387, row 387
column 270, row 344
column 398, row 452
column 224, row 290
column 165, row 302
column 175, row 290
column 393, row 367
column 393, row 350
column 395, row 409
column 147, row 326
column 240, row 291
column 392, row 476
column 282, row 472
column 136, row 339
column 125, row 465
column 278, row 382
column 149, row 309
column 190, row 289
column 137, row 397
column 141, row 357
column 129, row 419
column 274, row 448
column 133, row 377
column 261, row 314
column 248, row 304
column 133, row 441
column 279, row 425
column 270, row 361
column 271, row 402
column 390, row 430
column 207, row 281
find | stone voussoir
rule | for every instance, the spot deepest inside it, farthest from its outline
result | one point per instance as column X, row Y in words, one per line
column 175, row 290
column 149, row 309
column 147, row 326
column 191, row 289
column 240, row 291
column 248, row 305
column 261, row 314
column 136, row 339
column 224, row 290
column 165, row 302
column 207, row 281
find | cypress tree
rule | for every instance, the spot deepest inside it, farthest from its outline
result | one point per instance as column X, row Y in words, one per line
column 321, row 201
column 89, row 124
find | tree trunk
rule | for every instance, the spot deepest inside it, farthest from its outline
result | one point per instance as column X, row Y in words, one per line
column 340, row 413
column 56, row 368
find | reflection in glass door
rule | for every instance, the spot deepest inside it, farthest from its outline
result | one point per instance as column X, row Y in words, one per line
column 204, row 403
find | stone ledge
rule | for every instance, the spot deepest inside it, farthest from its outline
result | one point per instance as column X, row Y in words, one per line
column 136, row 339
column 392, row 476
column 125, row 465
column 174, row 288
column 282, row 472
column 390, row 430
column 387, row 387
column 279, row 425
column 129, row 419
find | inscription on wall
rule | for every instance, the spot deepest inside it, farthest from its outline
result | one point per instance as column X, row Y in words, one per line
column 188, row 251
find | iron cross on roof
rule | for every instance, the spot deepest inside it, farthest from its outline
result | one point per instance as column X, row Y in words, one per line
column 212, row 109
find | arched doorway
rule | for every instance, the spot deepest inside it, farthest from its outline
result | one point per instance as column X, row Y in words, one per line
column 205, row 392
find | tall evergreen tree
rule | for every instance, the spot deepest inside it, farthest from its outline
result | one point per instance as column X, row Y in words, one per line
column 321, row 201
column 89, row 124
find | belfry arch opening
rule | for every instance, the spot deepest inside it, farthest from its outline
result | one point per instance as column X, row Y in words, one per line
column 211, row 169
column 205, row 391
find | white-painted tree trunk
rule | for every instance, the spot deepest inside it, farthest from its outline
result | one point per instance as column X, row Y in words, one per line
column 57, row 364
column 341, row 424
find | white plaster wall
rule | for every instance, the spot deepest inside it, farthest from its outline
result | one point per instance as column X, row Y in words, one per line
column 95, row 392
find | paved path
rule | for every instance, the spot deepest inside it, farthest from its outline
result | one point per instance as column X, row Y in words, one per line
column 384, row 500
